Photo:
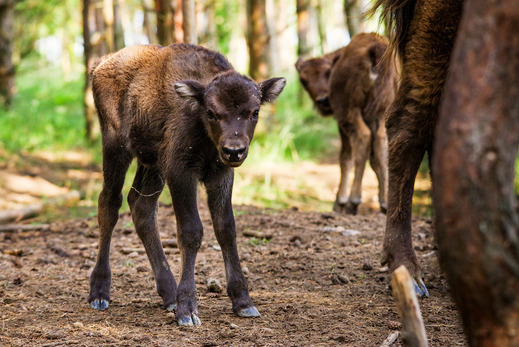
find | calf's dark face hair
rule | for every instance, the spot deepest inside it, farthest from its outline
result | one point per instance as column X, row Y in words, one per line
column 187, row 117
column 230, row 104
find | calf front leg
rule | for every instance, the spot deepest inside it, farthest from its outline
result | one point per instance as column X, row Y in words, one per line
column 189, row 235
column 345, row 163
column 359, row 136
column 219, row 192
column 143, row 201
column 115, row 165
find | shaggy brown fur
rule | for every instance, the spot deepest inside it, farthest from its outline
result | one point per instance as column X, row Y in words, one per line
column 187, row 116
column 352, row 84
column 424, row 33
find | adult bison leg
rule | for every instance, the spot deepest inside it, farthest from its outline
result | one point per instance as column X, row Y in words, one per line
column 345, row 163
column 406, row 151
column 143, row 201
column 183, row 189
column 475, row 155
column 115, row 164
column 219, row 190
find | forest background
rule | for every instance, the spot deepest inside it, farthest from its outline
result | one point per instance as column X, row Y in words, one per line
column 48, row 124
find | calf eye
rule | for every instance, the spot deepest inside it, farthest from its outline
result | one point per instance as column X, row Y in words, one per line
column 210, row 115
column 255, row 114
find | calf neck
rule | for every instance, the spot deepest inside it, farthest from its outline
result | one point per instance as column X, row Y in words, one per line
column 187, row 117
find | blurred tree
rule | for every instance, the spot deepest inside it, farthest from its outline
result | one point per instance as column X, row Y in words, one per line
column 148, row 22
column 178, row 20
column 257, row 39
column 118, row 8
column 189, row 21
column 165, row 22
column 303, row 24
column 7, row 86
column 207, row 14
column 354, row 18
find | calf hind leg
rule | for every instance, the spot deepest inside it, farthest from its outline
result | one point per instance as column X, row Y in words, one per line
column 379, row 164
column 143, row 201
column 115, row 165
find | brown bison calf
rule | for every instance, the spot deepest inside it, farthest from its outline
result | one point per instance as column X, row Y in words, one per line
column 356, row 88
column 187, row 116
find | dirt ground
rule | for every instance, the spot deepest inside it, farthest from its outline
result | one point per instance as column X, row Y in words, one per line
column 315, row 277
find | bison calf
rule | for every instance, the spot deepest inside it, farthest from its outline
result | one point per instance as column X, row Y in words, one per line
column 353, row 85
column 187, row 116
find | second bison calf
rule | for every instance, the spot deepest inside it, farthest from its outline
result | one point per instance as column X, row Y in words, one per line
column 356, row 86
column 188, row 117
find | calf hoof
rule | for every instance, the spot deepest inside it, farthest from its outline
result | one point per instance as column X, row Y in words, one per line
column 420, row 288
column 346, row 208
column 171, row 308
column 250, row 312
column 189, row 321
column 99, row 305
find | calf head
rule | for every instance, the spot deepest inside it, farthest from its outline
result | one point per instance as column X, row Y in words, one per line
column 229, row 106
column 314, row 75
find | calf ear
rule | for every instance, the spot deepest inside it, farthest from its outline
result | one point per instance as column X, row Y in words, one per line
column 191, row 90
column 298, row 64
column 271, row 88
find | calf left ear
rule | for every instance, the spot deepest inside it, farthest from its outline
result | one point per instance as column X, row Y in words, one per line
column 191, row 90
column 271, row 88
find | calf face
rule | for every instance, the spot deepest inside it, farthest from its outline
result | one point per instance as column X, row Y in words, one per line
column 231, row 104
column 314, row 75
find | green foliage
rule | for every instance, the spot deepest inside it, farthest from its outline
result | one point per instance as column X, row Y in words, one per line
column 47, row 112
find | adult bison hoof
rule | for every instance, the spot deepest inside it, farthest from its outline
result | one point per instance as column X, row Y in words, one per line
column 99, row 305
column 171, row 308
column 250, row 312
column 420, row 288
column 189, row 321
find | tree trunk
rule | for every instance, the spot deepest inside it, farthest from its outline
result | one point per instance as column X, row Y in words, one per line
column 189, row 21
column 118, row 8
column 208, row 28
column 257, row 39
column 321, row 27
column 7, row 83
column 108, row 19
column 354, row 19
column 178, row 21
column 474, row 170
column 165, row 23
column 303, row 24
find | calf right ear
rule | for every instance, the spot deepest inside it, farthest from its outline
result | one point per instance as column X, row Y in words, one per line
column 271, row 88
column 191, row 90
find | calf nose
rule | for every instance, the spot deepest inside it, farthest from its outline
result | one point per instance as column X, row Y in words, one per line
column 323, row 101
column 234, row 153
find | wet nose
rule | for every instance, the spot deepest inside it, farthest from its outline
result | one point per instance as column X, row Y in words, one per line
column 234, row 153
column 322, row 101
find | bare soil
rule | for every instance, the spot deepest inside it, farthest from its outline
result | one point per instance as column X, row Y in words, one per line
column 317, row 281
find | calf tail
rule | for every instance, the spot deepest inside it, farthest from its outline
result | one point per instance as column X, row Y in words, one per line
column 397, row 16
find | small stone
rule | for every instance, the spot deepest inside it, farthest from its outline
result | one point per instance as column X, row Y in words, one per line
column 78, row 325
column 214, row 286
column 367, row 267
column 234, row 326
